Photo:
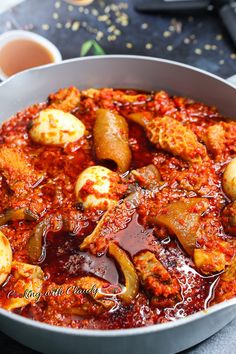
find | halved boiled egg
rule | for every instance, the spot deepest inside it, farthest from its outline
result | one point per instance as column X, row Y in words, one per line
column 97, row 187
column 229, row 180
column 5, row 258
column 55, row 127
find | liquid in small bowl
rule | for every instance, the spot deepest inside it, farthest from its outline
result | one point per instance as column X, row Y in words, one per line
column 21, row 50
column 79, row 2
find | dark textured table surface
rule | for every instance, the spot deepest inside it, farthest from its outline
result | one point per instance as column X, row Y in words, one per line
column 197, row 40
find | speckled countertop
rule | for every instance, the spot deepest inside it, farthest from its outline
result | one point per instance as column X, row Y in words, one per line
column 197, row 40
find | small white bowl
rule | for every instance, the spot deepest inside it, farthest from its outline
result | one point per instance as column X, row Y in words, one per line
column 20, row 34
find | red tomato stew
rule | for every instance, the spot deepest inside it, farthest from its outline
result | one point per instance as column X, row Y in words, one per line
column 118, row 209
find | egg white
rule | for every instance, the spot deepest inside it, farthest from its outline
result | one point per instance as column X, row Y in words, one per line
column 5, row 258
column 229, row 180
column 102, row 183
column 55, row 127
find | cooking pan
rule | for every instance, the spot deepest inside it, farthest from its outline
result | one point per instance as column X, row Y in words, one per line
column 120, row 71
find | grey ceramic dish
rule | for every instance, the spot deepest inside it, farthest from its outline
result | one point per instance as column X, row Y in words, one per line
column 122, row 72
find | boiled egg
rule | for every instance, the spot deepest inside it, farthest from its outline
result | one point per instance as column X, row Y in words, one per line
column 5, row 258
column 229, row 180
column 96, row 187
column 56, row 127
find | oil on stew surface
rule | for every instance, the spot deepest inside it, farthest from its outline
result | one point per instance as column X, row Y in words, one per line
column 118, row 209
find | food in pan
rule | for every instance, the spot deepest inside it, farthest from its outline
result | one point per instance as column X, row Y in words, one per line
column 118, row 209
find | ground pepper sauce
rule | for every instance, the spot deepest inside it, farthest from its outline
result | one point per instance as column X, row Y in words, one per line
column 63, row 261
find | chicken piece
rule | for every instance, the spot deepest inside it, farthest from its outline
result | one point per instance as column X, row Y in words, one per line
column 226, row 288
column 116, row 95
column 215, row 139
column 225, row 291
column 124, row 98
column 82, row 297
column 68, row 299
column 230, row 273
column 172, row 136
column 209, row 261
column 65, row 99
column 229, row 218
column 113, row 220
column 220, row 140
column 230, row 133
column 28, row 280
column 18, row 172
column 164, row 289
column 90, row 93
column 202, row 179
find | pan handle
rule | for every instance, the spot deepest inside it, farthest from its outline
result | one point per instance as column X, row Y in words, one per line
column 232, row 80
